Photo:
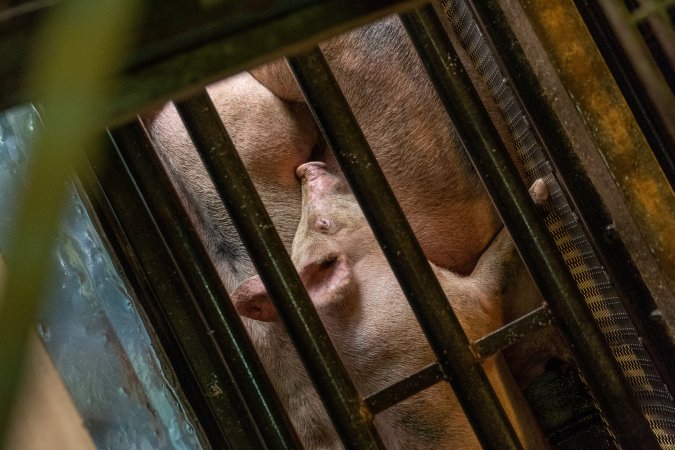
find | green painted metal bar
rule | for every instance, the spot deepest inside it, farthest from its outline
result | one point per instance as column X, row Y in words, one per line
column 235, row 348
column 350, row 415
column 503, row 182
column 405, row 256
column 178, row 66
column 72, row 100
column 405, row 388
column 511, row 333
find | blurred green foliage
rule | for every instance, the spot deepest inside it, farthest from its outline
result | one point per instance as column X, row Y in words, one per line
column 78, row 52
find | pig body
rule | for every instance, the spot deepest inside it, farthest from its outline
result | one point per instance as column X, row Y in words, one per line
column 370, row 321
column 402, row 118
column 450, row 213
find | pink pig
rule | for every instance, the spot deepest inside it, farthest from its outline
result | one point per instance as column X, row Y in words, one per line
column 370, row 322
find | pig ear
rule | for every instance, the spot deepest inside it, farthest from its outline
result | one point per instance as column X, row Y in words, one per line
column 278, row 78
column 252, row 301
column 327, row 280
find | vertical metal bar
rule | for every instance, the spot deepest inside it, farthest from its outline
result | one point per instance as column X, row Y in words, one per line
column 347, row 409
column 625, row 276
column 236, row 350
column 166, row 301
column 427, row 299
column 513, row 202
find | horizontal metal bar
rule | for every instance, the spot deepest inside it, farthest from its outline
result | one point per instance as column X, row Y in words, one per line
column 220, row 50
column 405, row 388
column 235, row 348
column 402, row 250
column 503, row 182
column 511, row 333
column 351, row 417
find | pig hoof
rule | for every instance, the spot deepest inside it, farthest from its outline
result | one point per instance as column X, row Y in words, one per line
column 539, row 192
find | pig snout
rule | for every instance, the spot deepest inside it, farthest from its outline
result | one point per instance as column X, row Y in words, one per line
column 310, row 171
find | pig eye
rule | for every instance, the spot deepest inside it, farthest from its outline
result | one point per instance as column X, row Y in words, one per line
column 322, row 223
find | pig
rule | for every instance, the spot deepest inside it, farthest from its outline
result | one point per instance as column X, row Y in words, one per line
column 411, row 136
column 370, row 322
column 403, row 120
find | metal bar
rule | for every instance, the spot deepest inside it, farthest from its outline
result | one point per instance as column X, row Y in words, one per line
column 235, row 347
column 638, row 300
column 622, row 72
column 646, row 68
column 403, row 252
column 349, row 413
column 161, row 73
column 510, row 196
column 511, row 333
column 405, row 388
column 166, row 300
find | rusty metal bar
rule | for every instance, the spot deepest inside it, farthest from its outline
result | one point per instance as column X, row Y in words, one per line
column 482, row 348
column 502, row 180
column 233, row 344
column 511, row 333
column 349, row 413
column 642, row 60
column 403, row 252
column 599, row 224
column 405, row 388
column 595, row 25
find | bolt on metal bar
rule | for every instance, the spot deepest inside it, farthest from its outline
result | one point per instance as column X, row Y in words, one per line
column 502, row 180
column 167, row 302
column 405, row 256
column 235, row 348
column 512, row 332
column 350, row 415
column 405, row 388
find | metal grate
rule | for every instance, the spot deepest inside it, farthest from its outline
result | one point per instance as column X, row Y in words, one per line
column 561, row 221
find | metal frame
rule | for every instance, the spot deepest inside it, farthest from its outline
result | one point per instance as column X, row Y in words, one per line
column 249, row 412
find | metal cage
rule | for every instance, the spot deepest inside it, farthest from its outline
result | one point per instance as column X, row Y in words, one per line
column 598, row 299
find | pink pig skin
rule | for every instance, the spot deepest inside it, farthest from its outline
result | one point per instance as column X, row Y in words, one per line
column 371, row 323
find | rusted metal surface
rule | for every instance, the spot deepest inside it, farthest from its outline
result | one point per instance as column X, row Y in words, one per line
column 645, row 190
column 527, row 228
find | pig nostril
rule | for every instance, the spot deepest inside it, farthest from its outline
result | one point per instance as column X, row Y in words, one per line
column 328, row 262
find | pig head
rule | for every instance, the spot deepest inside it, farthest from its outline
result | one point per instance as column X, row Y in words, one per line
column 369, row 319
column 401, row 117
column 414, row 142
